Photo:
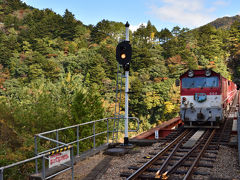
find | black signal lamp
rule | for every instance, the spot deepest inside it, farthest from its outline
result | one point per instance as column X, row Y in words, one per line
column 124, row 53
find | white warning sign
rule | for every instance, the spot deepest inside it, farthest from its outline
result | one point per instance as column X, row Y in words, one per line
column 59, row 158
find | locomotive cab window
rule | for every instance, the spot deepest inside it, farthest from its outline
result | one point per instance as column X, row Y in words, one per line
column 200, row 82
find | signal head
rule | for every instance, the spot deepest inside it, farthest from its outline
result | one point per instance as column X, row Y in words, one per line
column 124, row 52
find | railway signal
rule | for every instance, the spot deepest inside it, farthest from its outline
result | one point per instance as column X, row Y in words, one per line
column 123, row 56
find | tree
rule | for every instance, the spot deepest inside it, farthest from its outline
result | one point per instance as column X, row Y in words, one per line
column 164, row 35
column 87, row 106
column 176, row 31
column 8, row 45
column 141, row 58
column 100, row 31
column 69, row 26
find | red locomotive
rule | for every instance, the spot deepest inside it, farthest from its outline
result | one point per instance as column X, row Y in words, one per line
column 205, row 96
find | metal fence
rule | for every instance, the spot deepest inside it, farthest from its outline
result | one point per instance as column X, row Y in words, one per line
column 58, row 144
column 44, row 157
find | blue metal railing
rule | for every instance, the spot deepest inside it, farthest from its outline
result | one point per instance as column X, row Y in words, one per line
column 43, row 157
column 44, row 154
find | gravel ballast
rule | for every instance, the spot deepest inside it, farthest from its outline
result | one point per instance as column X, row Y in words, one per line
column 225, row 165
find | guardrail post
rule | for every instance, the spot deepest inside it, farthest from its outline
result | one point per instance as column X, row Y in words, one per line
column 107, row 133
column 36, row 153
column 94, row 139
column 77, row 140
column 72, row 162
column 57, row 137
column 43, row 167
column 1, row 174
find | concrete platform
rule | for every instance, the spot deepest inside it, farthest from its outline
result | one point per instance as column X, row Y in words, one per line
column 99, row 169
column 192, row 141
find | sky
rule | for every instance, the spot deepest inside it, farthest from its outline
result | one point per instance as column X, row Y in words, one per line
column 161, row 13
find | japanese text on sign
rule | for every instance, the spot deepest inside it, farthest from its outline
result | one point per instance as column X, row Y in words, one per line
column 59, row 158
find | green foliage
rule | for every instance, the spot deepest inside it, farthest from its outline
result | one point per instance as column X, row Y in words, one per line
column 105, row 29
column 87, row 106
column 69, row 26
column 56, row 71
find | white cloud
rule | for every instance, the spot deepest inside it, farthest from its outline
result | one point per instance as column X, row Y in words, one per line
column 189, row 13
column 135, row 27
column 221, row 3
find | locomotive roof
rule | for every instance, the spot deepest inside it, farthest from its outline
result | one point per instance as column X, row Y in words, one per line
column 199, row 73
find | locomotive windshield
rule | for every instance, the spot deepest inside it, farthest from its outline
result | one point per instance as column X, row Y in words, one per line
column 200, row 82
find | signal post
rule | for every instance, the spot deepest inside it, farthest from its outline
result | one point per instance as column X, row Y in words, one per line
column 123, row 56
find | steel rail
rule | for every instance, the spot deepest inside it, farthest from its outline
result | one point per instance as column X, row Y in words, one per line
column 195, row 163
column 156, row 157
column 166, row 174
column 165, row 163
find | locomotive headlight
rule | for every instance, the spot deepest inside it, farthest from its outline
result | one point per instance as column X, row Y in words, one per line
column 190, row 73
column 208, row 72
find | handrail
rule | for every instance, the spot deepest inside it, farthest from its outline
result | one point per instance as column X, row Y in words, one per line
column 43, row 156
column 60, row 144
column 40, row 135
column 94, row 135
column 68, row 127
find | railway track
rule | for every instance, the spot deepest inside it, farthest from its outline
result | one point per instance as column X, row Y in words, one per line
column 177, row 160
column 173, row 160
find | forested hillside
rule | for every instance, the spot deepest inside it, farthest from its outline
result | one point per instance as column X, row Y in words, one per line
column 56, row 71
column 225, row 22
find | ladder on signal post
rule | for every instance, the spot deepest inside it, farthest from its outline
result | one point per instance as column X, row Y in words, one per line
column 117, row 110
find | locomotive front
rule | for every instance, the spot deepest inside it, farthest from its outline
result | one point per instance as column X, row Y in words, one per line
column 201, row 99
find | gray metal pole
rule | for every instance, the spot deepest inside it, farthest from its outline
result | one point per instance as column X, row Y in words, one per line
column 77, row 140
column 126, row 108
column 72, row 162
column 1, row 174
column 127, row 31
column 57, row 138
column 36, row 153
column 107, row 133
column 43, row 168
column 126, row 93
column 94, row 139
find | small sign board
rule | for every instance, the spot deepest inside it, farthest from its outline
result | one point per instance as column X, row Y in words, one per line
column 59, row 158
column 156, row 134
